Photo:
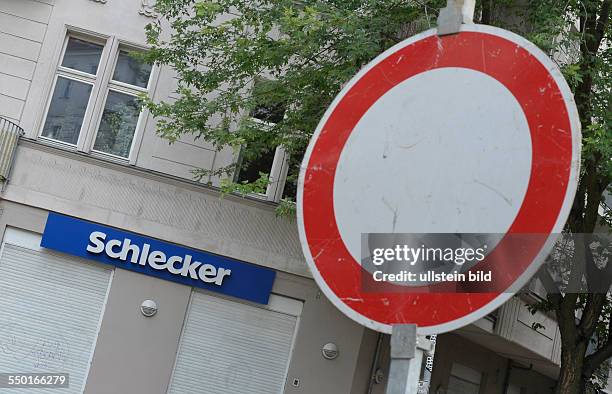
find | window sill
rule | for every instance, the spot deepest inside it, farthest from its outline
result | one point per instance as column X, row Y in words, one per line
column 55, row 143
column 108, row 157
column 72, row 148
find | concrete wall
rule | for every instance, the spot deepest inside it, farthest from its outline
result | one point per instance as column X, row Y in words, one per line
column 515, row 323
column 23, row 25
column 184, row 155
column 135, row 354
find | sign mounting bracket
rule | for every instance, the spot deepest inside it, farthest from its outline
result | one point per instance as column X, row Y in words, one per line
column 407, row 351
column 455, row 13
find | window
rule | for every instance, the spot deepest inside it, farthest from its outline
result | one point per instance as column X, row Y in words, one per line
column 230, row 347
column 273, row 161
column 464, row 380
column 94, row 105
column 50, row 320
column 67, row 110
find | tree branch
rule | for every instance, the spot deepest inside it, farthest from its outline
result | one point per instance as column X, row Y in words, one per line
column 485, row 17
column 602, row 21
column 553, row 292
column 591, row 313
column 594, row 360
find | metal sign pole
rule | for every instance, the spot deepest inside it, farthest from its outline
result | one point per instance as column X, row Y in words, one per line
column 406, row 359
column 406, row 351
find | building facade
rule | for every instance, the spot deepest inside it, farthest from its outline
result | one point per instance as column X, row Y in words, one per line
column 89, row 162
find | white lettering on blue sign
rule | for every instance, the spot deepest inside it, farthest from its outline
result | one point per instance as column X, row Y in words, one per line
column 184, row 266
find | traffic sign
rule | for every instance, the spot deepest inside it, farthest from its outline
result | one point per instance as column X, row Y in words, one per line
column 475, row 132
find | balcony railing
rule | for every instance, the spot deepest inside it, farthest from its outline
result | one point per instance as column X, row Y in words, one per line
column 9, row 136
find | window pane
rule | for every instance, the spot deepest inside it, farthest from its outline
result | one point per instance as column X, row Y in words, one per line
column 250, row 170
column 82, row 56
column 269, row 102
column 118, row 124
column 269, row 113
column 131, row 70
column 67, row 110
column 459, row 386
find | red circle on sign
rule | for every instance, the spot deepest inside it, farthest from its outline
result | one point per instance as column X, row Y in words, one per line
column 543, row 210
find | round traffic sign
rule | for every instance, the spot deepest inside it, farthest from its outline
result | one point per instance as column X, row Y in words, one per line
column 475, row 132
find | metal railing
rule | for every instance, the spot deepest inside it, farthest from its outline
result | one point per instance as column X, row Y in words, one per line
column 9, row 136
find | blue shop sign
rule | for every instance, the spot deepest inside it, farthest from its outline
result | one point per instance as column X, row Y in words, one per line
column 156, row 258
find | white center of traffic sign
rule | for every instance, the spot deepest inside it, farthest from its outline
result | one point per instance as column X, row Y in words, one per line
column 432, row 156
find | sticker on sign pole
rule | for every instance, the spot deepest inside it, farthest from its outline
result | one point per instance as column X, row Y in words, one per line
column 475, row 132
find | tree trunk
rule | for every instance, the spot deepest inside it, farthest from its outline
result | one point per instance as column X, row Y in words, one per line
column 571, row 373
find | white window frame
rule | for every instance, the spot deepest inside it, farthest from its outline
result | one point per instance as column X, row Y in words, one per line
column 278, row 175
column 119, row 87
column 79, row 76
column 102, row 83
column 278, row 172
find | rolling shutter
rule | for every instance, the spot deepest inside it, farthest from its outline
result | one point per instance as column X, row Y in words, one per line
column 50, row 309
column 464, row 380
column 230, row 347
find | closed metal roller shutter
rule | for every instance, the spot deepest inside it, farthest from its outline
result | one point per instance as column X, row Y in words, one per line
column 50, row 309
column 230, row 347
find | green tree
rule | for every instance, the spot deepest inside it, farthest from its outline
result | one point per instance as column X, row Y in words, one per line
column 307, row 50
column 578, row 34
